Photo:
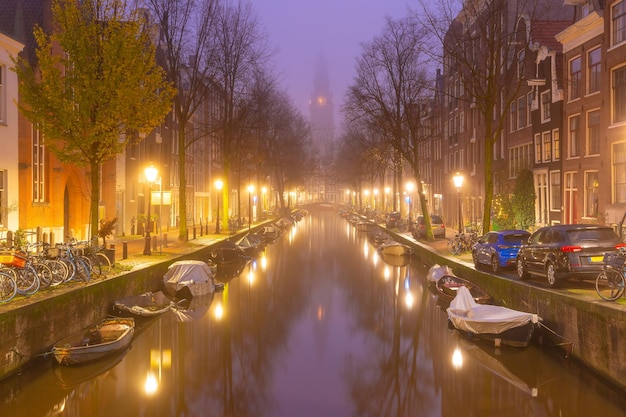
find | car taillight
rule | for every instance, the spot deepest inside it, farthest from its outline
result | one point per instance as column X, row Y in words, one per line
column 620, row 245
column 571, row 248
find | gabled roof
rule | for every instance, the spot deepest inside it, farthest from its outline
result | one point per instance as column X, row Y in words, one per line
column 544, row 32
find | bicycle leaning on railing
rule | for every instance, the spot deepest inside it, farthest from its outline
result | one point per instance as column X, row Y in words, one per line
column 462, row 242
column 611, row 281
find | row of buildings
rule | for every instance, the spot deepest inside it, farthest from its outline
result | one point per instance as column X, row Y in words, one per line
column 546, row 93
column 566, row 122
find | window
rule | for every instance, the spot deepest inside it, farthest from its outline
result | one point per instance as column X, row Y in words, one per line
column 547, row 146
column 619, row 94
column 2, row 100
column 529, row 107
column 591, row 194
column 555, row 191
column 3, row 198
column 593, row 61
column 575, row 77
column 593, row 132
column 546, row 100
column 618, row 21
column 538, row 151
column 574, row 136
column 521, row 112
column 556, row 145
column 619, row 173
column 38, row 167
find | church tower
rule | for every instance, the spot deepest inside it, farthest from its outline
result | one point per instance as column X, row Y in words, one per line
column 322, row 121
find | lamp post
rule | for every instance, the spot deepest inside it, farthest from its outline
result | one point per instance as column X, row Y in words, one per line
column 386, row 202
column 250, row 189
column 151, row 174
column 458, row 183
column 409, row 189
column 218, row 186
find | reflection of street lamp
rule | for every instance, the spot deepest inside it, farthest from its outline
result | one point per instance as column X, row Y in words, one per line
column 151, row 175
column 250, row 189
column 218, row 186
column 458, row 183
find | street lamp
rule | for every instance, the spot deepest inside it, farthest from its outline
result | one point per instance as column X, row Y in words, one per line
column 458, row 183
column 218, row 186
column 151, row 175
column 250, row 189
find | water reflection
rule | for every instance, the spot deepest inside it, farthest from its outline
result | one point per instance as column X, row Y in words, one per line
column 320, row 324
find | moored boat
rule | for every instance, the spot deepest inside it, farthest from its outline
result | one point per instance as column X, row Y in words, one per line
column 448, row 285
column 189, row 277
column 497, row 324
column 109, row 336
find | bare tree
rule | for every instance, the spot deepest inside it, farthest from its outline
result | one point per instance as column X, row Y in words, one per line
column 185, row 31
column 483, row 46
column 389, row 89
column 239, row 52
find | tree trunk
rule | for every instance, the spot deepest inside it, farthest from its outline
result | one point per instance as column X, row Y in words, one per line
column 182, row 187
column 95, row 199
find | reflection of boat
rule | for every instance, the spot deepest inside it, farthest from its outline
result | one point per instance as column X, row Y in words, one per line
column 448, row 285
column 104, row 338
column 498, row 324
column 193, row 309
column 227, row 252
column 365, row 226
column 516, row 366
column 68, row 377
column 227, row 272
column 193, row 276
column 395, row 260
column 391, row 247
column 149, row 304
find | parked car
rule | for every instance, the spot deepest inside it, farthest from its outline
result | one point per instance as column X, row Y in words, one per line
column 436, row 223
column 566, row 251
column 499, row 248
column 392, row 219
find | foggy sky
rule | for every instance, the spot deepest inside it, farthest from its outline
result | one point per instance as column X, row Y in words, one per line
column 301, row 30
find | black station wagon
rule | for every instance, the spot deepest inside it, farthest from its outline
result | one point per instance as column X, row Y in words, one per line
column 566, row 251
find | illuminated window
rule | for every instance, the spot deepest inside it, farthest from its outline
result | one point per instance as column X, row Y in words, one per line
column 38, row 167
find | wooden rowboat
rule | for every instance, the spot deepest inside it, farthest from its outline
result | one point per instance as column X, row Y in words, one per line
column 109, row 336
column 447, row 287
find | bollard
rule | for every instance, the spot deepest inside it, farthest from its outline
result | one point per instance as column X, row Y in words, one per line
column 165, row 240
column 154, row 243
column 194, row 232
column 124, row 250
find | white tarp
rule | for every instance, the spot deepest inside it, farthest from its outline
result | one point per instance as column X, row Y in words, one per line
column 183, row 273
column 437, row 271
column 465, row 314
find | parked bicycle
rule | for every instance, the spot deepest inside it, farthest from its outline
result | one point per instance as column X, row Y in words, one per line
column 462, row 242
column 611, row 281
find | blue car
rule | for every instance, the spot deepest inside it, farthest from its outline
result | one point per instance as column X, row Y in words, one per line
column 499, row 248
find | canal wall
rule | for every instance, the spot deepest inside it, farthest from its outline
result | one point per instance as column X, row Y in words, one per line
column 591, row 330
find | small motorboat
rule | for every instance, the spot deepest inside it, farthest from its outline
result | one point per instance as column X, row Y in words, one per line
column 448, row 285
column 107, row 337
column 437, row 271
column 392, row 247
column 251, row 244
column 227, row 252
column 149, row 304
column 497, row 324
column 190, row 278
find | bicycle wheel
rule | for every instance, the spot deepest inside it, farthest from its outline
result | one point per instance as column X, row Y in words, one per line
column 105, row 262
column 610, row 284
column 44, row 274
column 8, row 287
column 27, row 280
column 59, row 269
column 93, row 264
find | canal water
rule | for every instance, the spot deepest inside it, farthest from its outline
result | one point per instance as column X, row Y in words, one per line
column 319, row 325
